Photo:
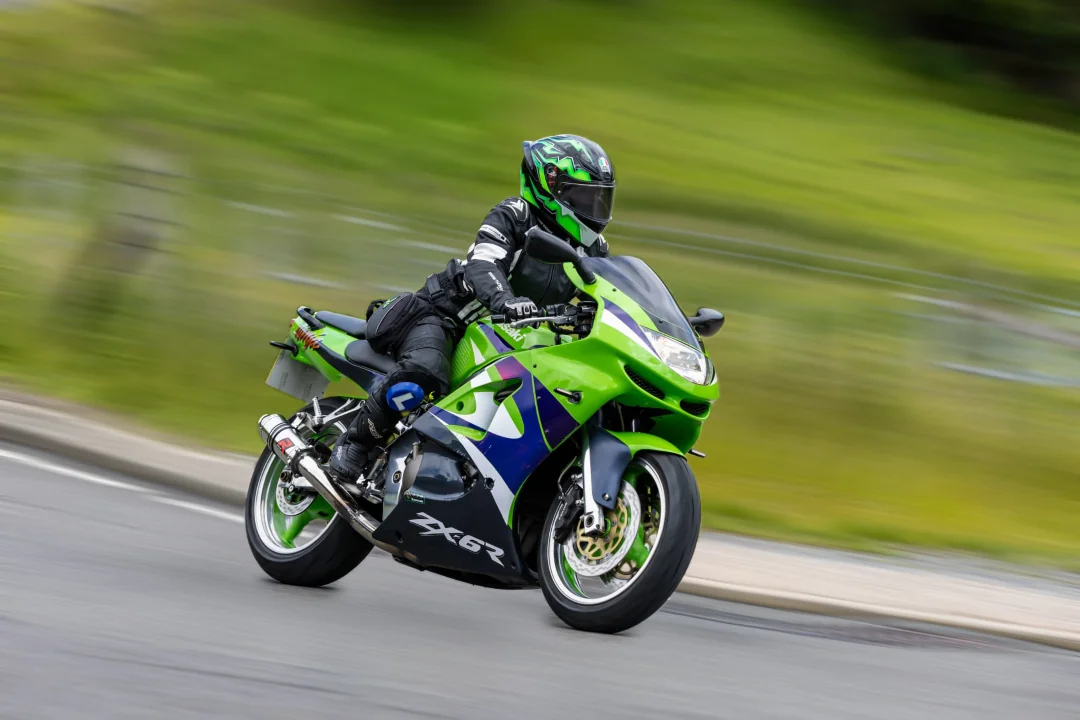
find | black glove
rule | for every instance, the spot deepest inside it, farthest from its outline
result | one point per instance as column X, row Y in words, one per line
column 519, row 308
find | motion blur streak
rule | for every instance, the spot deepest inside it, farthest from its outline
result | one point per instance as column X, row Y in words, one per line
column 883, row 198
column 38, row 463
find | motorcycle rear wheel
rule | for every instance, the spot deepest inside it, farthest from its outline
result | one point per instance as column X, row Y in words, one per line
column 305, row 544
column 650, row 564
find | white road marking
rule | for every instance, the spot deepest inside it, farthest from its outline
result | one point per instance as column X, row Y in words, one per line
column 195, row 507
column 38, row 463
column 34, row 462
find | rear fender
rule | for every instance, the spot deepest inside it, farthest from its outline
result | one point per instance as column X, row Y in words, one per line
column 326, row 348
column 607, row 455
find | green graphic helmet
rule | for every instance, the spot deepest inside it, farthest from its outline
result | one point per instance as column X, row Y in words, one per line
column 570, row 182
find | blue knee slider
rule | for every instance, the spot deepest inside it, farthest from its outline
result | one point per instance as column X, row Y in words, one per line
column 404, row 396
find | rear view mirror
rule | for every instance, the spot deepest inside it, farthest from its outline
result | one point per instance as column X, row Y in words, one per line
column 707, row 322
column 547, row 248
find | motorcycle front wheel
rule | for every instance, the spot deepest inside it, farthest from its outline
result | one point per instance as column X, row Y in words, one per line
column 616, row 579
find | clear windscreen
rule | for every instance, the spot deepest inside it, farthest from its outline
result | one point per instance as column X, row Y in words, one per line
column 634, row 277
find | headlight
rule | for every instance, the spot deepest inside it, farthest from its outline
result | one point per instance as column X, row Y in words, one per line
column 683, row 359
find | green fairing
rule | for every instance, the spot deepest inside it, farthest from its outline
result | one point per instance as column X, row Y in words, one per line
column 593, row 365
column 475, row 344
column 330, row 337
column 334, row 339
column 646, row 442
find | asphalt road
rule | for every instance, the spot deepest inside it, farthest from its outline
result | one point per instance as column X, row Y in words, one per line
column 124, row 601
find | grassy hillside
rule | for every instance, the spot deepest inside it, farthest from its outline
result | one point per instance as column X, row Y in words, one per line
column 747, row 119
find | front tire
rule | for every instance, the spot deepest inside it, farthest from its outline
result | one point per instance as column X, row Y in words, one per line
column 306, row 556
column 670, row 516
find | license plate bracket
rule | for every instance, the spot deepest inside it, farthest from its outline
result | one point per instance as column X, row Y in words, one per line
column 295, row 378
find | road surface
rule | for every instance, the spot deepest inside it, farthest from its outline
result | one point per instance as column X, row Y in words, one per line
column 125, row 601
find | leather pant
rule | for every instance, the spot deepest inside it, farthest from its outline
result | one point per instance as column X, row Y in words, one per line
column 423, row 357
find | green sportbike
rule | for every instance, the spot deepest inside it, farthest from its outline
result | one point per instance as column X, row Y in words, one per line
column 559, row 458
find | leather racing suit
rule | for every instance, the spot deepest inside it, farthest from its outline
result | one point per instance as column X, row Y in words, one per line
column 420, row 334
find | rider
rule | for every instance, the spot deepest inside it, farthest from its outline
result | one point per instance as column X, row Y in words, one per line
column 567, row 188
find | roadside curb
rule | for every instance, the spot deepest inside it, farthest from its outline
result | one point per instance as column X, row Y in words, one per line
column 86, row 438
column 835, row 607
column 217, row 477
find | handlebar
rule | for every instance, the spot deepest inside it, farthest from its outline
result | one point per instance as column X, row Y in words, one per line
column 557, row 319
column 561, row 314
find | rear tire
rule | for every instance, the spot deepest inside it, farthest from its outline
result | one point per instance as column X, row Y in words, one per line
column 656, row 580
column 325, row 559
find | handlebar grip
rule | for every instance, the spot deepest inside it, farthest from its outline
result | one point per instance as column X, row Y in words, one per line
column 498, row 319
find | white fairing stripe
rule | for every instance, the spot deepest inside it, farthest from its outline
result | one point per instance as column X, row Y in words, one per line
column 488, row 251
column 485, row 410
column 612, row 320
column 503, row 425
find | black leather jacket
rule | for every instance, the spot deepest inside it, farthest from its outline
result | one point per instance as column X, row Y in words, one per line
column 497, row 269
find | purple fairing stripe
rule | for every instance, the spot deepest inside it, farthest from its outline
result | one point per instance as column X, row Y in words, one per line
column 509, row 368
column 629, row 321
column 500, row 344
column 541, row 414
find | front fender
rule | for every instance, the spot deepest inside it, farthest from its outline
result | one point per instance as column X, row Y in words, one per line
column 608, row 453
column 644, row 442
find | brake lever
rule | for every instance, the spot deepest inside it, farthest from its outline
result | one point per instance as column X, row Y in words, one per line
column 535, row 321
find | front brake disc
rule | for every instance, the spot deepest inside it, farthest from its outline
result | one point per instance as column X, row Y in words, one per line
column 595, row 555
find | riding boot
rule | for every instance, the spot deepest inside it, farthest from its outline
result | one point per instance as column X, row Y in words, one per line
column 355, row 448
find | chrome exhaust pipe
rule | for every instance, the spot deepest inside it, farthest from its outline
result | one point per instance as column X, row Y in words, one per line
column 286, row 443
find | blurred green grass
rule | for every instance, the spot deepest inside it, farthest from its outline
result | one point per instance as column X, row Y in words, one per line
column 754, row 111
column 752, row 119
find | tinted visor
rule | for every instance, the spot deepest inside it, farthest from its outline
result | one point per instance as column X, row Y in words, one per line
column 592, row 200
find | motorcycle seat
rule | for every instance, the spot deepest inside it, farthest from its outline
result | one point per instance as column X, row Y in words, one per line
column 360, row 352
column 345, row 323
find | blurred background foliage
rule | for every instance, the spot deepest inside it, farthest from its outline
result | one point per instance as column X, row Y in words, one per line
column 899, row 266
column 1030, row 45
